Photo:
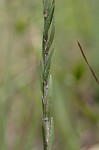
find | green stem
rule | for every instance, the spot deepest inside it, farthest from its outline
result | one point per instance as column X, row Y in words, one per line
column 48, row 36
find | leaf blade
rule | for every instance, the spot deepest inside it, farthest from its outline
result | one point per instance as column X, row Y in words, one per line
column 47, row 67
column 52, row 34
column 41, row 76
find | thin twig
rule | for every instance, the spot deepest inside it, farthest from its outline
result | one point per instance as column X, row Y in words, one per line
column 93, row 73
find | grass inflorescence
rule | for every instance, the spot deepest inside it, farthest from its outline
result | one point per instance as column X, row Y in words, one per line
column 45, row 76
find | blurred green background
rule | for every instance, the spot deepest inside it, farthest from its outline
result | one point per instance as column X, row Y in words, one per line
column 75, row 92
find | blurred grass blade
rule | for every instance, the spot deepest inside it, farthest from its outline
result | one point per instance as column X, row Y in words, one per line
column 88, row 63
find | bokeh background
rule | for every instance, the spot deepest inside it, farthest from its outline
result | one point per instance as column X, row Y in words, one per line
column 75, row 92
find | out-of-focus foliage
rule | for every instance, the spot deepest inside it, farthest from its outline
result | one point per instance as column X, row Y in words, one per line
column 76, row 94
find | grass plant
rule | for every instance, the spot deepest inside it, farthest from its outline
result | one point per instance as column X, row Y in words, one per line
column 45, row 76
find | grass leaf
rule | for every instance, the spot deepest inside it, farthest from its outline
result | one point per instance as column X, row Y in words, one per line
column 51, row 138
column 51, row 35
column 48, row 20
column 47, row 68
column 41, row 75
column 44, row 134
column 50, row 94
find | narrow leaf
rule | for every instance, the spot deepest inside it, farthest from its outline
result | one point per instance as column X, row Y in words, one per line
column 41, row 76
column 88, row 63
column 50, row 94
column 44, row 137
column 47, row 68
column 51, row 35
column 46, row 5
column 49, row 18
column 51, row 137
column 52, row 12
column 43, row 45
column 50, row 90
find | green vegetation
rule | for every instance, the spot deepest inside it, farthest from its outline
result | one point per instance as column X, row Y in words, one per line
column 45, row 77
column 75, row 93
